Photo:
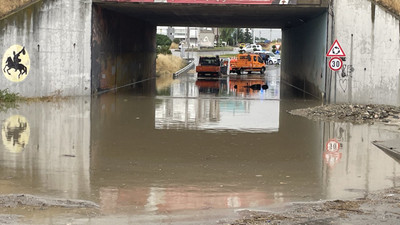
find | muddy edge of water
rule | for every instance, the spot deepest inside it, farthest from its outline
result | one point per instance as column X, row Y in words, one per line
column 376, row 208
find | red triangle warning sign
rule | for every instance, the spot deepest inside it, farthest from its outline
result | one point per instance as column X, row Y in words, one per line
column 336, row 50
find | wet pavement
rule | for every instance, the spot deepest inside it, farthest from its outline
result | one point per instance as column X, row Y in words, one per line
column 196, row 153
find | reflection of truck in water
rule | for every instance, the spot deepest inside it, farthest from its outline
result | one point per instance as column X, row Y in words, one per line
column 249, row 86
column 209, row 67
column 247, row 63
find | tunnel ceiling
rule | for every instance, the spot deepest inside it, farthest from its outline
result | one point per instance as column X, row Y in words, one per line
column 252, row 16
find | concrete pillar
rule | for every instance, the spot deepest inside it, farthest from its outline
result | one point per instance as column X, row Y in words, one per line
column 123, row 51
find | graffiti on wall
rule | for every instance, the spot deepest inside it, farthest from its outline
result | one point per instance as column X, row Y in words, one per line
column 16, row 63
column 344, row 76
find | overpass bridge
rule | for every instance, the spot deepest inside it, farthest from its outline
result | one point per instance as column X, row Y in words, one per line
column 83, row 47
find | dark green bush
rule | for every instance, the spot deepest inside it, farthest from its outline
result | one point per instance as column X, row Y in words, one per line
column 163, row 40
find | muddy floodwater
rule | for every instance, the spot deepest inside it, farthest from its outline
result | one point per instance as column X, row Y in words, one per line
column 196, row 153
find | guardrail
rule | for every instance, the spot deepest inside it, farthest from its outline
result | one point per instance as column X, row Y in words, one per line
column 184, row 69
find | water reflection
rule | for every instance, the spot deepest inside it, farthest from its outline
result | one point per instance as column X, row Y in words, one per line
column 220, row 104
column 46, row 148
column 141, row 155
column 15, row 133
column 157, row 199
column 357, row 168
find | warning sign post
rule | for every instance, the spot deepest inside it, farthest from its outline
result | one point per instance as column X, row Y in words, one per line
column 336, row 50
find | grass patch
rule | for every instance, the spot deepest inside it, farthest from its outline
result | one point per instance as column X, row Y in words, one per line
column 166, row 66
column 228, row 48
column 228, row 55
column 174, row 46
column 391, row 5
column 8, row 6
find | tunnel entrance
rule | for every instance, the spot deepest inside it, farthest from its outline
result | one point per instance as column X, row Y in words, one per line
column 124, row 49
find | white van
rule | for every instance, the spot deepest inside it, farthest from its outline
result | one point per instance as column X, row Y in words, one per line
column 253, row 47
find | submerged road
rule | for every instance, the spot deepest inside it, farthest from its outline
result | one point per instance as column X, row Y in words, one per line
column 196, row 153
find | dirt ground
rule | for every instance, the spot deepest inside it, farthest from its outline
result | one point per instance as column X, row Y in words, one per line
column 378, row 208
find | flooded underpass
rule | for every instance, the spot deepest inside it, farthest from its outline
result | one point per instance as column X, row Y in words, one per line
column 196, row 153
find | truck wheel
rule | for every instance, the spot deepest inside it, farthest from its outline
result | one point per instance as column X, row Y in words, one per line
column 262, row 70
column 241, row 71
column 238, row 72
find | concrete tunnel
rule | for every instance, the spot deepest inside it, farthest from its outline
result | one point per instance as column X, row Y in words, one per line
column 124, row 49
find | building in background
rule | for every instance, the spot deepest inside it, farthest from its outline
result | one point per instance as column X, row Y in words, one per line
column 200, row 36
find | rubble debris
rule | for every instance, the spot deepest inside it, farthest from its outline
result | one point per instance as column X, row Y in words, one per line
column 356, row 114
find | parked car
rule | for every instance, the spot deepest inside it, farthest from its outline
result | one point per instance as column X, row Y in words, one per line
column 272, row 58
column 253, row 48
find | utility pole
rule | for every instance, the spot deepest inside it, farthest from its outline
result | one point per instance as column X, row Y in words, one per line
column 188, row 41
column 270, row 35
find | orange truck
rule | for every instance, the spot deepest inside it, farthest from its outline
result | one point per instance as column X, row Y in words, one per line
column 247, row 63
column 209, row 67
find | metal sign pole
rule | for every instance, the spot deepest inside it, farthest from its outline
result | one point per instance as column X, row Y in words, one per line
column 334, row 100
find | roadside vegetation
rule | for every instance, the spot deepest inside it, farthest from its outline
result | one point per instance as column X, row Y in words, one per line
column 166, row 63
column 163, row 44
column 8, row 100
column 7, row 6
column 391, row 5
column 6, row 96
column 166, row 66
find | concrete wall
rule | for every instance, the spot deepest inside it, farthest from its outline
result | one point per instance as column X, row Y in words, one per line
column 56, row 36
column 303, row 55
column 123, row 51
column 370, row 37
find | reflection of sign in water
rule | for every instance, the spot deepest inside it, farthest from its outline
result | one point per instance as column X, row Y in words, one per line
column 16, row 63
column 331, row 154
column 15, row 133
column 332, row 158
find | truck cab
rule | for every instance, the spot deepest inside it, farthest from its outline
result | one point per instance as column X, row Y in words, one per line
column 209, row 66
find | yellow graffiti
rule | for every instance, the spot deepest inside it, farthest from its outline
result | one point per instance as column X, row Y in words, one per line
column 16, row 63
column 15, row 133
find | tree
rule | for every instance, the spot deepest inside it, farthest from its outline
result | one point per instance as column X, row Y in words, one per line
column 247, row 36
column 163, row 43
column 163, row 40
column 273, row 48
column 227, row 35
column 238, row 35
